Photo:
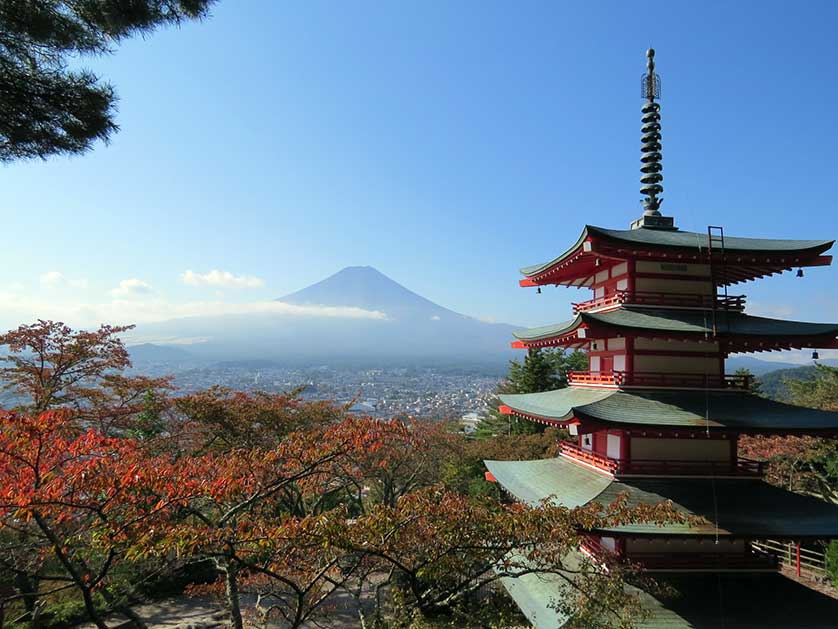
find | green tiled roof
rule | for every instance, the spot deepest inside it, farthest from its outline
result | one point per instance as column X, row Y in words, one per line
column 547, row 331
column 679, row 409
column 678, row 239
column 690, row 240
column 682, row 321
column 533, row 481
column 743, row 508
column 534, row 594
column 695, row 601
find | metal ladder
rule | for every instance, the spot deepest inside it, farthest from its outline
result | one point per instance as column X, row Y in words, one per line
column 716, row 258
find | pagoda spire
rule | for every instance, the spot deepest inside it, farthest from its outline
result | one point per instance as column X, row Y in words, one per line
column 651, row 140
column 650, row 150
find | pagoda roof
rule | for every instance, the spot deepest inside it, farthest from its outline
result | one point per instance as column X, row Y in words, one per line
column 687, row 409
column 763, row 256
column 682, row 323
column 729, row 507
column 733, row 601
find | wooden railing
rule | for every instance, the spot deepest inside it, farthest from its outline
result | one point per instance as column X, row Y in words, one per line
column 660, row 379
column 738, row 467
column 598, row 461
column 612, row 378
column 704, row 561
column 674, row 300
column 657, row 467
column 754, row 559
column 803, row 561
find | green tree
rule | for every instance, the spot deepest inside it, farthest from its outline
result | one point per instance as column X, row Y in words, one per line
column 820, row 391
column 755, row 384
column 47, row 108
column 542, row 370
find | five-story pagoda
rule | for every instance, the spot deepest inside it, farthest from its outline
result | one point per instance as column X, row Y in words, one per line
column 657, row 418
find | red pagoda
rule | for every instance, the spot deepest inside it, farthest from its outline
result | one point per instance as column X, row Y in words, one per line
column 657, row 418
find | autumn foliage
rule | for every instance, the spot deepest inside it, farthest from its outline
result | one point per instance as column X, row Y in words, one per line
column 290, row 502
column 75, row 501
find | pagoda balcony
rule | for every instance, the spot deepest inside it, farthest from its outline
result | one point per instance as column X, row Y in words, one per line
column 666, row 562
column 671, row 300
column 656, row 467
column 654, row 379
column 752, row 560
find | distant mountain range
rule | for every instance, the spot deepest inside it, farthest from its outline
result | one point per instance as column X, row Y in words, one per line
column 398, row 326
column 755, row 365
column 407, row 329
column 773, row 376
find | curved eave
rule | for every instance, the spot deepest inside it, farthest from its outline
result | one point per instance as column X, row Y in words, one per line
column 565, row 333
column 736, row 508
column 558, row 406
column 740, row 332
column 535, row 270
column 673, row 409
column 744, row 259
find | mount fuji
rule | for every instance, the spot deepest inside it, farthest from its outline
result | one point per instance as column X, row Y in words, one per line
column 370, row 319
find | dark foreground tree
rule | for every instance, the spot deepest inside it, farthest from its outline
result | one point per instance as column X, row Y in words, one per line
column 47, row 108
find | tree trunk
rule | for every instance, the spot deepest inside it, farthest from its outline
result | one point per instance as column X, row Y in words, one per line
column 135, row 618
column 232, row 590
column 91, row 609
column 28, row 587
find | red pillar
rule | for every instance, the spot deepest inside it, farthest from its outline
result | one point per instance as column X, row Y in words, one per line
column 797, row 551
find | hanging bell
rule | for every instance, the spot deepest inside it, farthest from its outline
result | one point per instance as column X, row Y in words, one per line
column 815, row 355
column 538, row 292
column 799, row 272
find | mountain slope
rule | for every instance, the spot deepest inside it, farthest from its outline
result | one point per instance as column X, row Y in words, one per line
column 368, row 288
column 755, row 365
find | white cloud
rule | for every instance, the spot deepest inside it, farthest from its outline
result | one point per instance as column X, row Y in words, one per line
column 56, row 279
column 780, row 311
column 53, row 279
column 136, row 339
column 131, row 287
column 436, row 318
column 221, row 278
column 16, row 308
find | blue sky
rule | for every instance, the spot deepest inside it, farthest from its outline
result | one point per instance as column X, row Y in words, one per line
column 445, row 143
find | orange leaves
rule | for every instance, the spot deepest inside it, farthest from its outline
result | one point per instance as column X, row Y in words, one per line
column 221, row 419
column 79, row 482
